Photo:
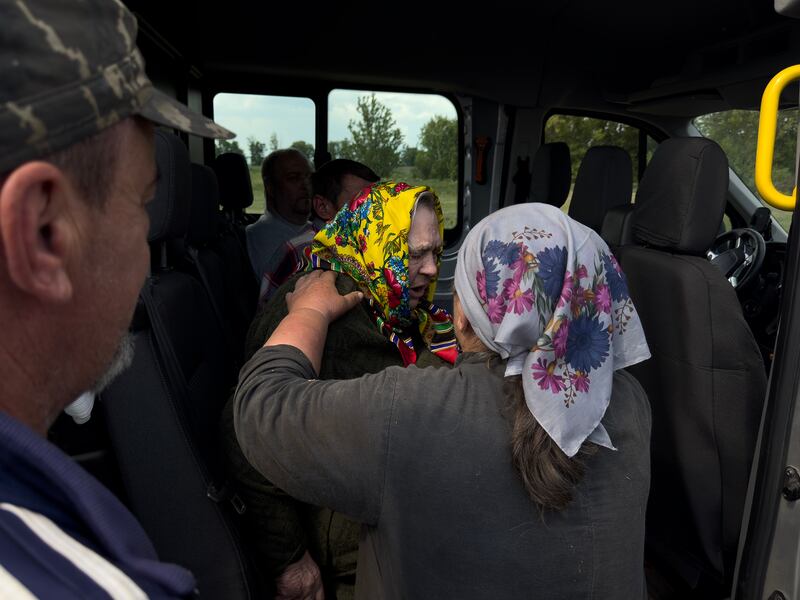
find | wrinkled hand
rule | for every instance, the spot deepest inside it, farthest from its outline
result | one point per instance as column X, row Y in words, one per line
column 300, row 581
column 317, row 291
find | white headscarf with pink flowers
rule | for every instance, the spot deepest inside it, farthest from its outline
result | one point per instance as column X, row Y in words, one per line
column 546, row 293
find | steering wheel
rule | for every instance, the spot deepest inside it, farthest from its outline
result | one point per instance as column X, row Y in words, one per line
column 738, row 254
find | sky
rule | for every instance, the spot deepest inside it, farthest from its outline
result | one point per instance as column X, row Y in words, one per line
column 292, row 119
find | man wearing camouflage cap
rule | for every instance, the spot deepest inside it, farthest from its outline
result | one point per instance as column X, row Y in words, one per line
column 74, row 101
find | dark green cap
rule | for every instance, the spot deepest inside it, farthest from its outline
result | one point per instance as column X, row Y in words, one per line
column 68, row 70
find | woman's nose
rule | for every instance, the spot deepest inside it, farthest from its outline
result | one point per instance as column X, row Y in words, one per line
column 429, row 265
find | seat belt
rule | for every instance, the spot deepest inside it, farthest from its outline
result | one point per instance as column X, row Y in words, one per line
column 179, row 388
column 194, row 256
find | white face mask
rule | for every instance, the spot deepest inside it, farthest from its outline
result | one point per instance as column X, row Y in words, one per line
column 81, row 409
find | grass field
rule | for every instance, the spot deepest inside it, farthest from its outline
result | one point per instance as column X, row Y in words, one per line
column 258, row 191
column 446, row 189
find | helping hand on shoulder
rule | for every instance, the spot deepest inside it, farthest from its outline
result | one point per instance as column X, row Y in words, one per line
column 317, row 291
column 314, row 304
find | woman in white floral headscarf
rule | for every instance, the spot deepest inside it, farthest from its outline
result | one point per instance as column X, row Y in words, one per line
column 551, row 299
column 422, row 456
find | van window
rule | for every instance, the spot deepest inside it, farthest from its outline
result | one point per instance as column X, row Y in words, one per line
column 264, row 124
column 736, row 131
column 400, row 136
column 581, row 133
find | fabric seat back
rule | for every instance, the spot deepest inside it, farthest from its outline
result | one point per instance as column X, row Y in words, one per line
column 604, row 180
column 164, row 411
column 235, row 187
column 617, row 229
column 551, row 174
column 706, row 380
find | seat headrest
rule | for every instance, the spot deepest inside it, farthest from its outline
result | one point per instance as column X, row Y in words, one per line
column 203, row 215
column 682, row 194
column 604, row 180
column 233, row 176
column 169, row 210
column 617, row 227
column 551, row 174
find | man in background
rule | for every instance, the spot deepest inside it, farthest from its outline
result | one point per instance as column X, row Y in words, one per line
column 287, row 190
column 333, row 185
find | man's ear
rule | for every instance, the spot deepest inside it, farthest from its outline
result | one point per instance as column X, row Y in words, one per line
column 37, row 231
column 323, row 207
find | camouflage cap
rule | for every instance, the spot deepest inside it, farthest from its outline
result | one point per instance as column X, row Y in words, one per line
column 71, row 68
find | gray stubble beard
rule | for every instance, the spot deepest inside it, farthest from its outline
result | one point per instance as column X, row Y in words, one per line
column 122, row 359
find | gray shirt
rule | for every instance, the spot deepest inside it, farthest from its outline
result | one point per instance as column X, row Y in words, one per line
column 266, row 238
column 421, row 457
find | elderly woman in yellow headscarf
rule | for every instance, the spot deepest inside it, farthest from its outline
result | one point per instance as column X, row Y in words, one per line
column 385, row 243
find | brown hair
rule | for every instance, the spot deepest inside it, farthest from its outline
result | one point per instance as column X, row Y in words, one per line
column 548, row 474
column 327, row 180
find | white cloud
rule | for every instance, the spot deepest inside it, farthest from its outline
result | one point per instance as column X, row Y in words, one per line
column 292, row 119
column 410, row 111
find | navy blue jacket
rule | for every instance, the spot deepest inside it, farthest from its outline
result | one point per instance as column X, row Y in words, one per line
column 63, row 535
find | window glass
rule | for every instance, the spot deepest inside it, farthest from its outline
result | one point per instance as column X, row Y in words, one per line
column 581, row 133
column 736, row 131
column 406, row 137
column 264, row 124
column 651, row 147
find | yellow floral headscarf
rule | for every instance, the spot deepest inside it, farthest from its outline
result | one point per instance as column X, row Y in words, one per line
column 368, row 240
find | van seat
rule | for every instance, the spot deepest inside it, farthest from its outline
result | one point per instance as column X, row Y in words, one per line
column 604, row 180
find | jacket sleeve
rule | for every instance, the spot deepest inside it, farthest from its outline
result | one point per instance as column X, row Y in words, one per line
column 323, row 442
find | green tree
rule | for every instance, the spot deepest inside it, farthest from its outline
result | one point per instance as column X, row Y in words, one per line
column 304, row 147
column 409, row 156
column 342, row 149
column 581, row 133
column 256, row 151
column 376, row 138
column 736, row 131
column 437, row 157
column 273, row 142
column 227, row 146
column 335, row 149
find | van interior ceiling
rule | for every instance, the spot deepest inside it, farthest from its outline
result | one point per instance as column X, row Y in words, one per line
column 628, row 56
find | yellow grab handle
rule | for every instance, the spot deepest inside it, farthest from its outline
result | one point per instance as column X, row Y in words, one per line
column 767, row 123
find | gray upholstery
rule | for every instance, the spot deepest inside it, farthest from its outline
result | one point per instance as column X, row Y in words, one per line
column 681, row 198
column 164, row 410
column 617, row 229
column 706, row 380
column 233, row 174
column 169, row 210
column 220, row 260
column 204, row 216
column 551, row 174
column 604, row 180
